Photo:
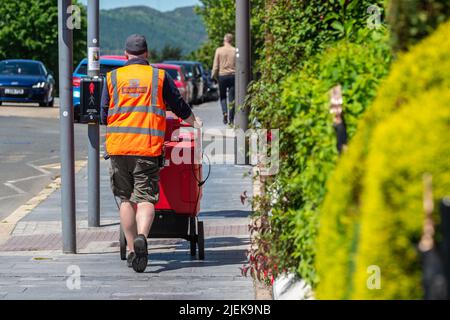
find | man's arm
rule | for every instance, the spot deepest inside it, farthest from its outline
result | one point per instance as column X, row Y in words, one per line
column 216, row 66
column 104, row 104
column 173, row 98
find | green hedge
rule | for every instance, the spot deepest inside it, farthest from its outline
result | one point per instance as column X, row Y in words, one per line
column 358, row 67
column 425, row 68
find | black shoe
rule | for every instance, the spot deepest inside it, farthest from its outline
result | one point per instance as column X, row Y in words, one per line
column 225, row 118
column 130, row 258
column 139, row 263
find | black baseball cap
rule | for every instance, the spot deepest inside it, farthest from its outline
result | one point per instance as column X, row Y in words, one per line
column 136, row 44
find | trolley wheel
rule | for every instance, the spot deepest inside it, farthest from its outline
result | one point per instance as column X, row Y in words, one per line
column 201, row 241
column 123, row 245
column 193, row 237
column 193, row 247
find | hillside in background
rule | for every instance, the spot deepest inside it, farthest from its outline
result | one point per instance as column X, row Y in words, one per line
column 181, row 28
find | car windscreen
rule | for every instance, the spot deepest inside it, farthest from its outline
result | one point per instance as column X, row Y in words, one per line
column 104, row 69
column 20, row 68
column 189, row 70
column 174, row 74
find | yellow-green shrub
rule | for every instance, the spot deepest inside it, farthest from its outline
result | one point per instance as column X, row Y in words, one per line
column 411, row 143
column 425, row 67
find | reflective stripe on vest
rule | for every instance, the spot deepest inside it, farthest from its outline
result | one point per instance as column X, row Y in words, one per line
column 114, row 84
column 144, row 109
column 135, row 128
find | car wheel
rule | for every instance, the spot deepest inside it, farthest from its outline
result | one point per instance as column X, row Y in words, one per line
column 76, row 116
column 0, row 103
column 47, row 103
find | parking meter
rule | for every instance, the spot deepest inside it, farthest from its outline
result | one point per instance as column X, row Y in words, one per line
column 91, row 93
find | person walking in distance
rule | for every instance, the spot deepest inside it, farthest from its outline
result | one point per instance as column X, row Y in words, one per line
column 134, row 104
column 224, row 70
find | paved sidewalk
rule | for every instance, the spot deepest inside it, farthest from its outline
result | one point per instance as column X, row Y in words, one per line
column 32, row 266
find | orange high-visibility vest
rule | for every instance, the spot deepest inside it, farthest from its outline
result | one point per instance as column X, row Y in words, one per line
column 137, row 113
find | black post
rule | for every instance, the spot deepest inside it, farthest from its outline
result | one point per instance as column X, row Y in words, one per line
column 243, row 75
column 93, row 128
column 242, row 61
column 65, row 44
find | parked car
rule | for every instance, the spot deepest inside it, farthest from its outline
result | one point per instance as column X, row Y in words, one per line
column 177, row 73
column 26, row 81
column 107, row 64
column 194, row 75
column 210, row 86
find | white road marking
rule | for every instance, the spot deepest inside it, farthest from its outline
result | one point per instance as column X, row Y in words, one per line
column 19, row 192
column 8, row 224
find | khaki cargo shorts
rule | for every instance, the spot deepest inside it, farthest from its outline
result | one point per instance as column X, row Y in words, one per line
column 135, row 179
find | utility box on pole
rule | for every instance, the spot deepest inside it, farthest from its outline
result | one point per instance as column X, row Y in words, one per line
column 90, row 104
column 65, row 44
column 93, row 126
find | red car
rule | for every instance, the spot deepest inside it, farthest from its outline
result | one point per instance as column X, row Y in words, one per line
column 177, row 74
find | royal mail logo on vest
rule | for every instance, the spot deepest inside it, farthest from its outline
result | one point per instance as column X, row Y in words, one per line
column 133, row 89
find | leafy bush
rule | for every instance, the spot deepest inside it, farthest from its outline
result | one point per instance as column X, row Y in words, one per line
column 29, row 30
column 358, row 67
column 413, row 20
column 291, row 39
column 425, row 68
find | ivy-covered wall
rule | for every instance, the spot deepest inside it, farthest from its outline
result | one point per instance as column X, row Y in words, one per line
column 307, row 52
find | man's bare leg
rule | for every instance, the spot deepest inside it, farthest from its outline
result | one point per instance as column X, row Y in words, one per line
column 144, row 217
column 128, row 221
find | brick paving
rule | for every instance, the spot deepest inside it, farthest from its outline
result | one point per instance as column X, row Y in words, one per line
column 53, row 241
column 33, row 266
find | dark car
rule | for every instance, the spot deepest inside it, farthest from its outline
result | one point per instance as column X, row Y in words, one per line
column 194, row 75
column 210, row 87
column 26, row 81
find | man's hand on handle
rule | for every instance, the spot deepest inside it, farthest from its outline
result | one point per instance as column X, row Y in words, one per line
column 194, row 121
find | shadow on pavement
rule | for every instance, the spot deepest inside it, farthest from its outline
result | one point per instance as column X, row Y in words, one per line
column 225, row 214
column 213, row 257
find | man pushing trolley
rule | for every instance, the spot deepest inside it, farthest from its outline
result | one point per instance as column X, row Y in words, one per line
column 134, row 102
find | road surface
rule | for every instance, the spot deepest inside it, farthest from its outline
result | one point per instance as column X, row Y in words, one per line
column 29, row 152
column 29, row 149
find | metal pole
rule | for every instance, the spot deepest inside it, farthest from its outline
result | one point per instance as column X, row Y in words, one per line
column 93, row 129
column 242, row 61
column 65, row 42
column 445, row 225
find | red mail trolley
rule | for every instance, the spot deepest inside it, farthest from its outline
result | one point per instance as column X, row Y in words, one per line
column 180, row 189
